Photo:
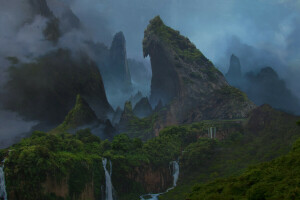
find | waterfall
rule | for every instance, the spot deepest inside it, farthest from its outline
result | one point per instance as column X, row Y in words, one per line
column 108, row 183
column 3, row 194
column 175, row 171
column 175, row 166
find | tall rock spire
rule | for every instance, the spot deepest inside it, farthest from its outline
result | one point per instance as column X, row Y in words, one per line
column 186, row 81
column 118, row 61
column 234, row 74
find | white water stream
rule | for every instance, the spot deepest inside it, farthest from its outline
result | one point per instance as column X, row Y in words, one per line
column 3, row 195
column 175, row 171
column 108, row 183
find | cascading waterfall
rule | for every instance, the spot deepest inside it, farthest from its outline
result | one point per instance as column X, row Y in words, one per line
column 3, row 194
column 108, row 183
column 175, row 171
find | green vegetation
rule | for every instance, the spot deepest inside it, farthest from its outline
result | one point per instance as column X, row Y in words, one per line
column 277, row 179
column 141, row 127
column 266, row 135
column 46, row 157
column 80, row 115
column 182, row 45
column 46, row 89
column 232, row 92
column 208, row 167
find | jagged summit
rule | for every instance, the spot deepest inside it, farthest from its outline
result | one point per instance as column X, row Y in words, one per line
column 81, row 114
column 126, row 116
column 234, row 74
column 118, row 60
column 182, row 45
column 142, row 108
column 186, row 81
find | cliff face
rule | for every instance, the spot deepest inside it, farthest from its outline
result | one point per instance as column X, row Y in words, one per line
column 46, row 89
column 185, row 80
column 118, row 61
column 40, row 7
column 61, row 189
column 234, row 74
column 142, row 108
column 80, row 115
column 153, row 180
column 126, row 116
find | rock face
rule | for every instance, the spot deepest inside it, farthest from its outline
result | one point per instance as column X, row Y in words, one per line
column 117, row 116
column 187, row 81
column 40, row 7
column 234, row 74
column 80, row 115
column 113, row 65
column 136, row 98
column 153, row 180
column 118, row 61
column 46, row 89
column 159, row 106
column 142, row 108
column 267, row 87
column 126, row 116
column 264, row 87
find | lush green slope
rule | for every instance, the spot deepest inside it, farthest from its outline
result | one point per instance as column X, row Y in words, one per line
column 267, row 134
column 81, row 114
column 277, row 179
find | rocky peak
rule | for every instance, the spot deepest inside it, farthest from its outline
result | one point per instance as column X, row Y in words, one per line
column 40, row 7
column 126, row 116
column 268, row 73
column 81, row 114
column 142, row 108
column 118, row 60
column 54, row 81
column 234, row 74
column 159, row 106
column 186, row 81
column 117, row 115
column 136, row 98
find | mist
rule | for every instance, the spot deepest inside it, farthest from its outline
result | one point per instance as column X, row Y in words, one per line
column 260, row 32
column 218, row 28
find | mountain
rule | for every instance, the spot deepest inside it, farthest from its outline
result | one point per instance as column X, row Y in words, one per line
column 136, row 98
column 142, row 108
column 117, row 115
column 263, row 87
column 118, row 61
column 140, row 75
column 234, row 74
column 46, row 88
column 113, row 65
column 80, row 115
column 185, row 80
column 267, row 87
column 126, row 116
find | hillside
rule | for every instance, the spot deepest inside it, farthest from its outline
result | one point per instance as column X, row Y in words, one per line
column 186, row 81
column 46, row 88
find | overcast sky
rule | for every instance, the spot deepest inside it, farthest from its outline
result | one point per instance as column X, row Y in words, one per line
column 260, row 32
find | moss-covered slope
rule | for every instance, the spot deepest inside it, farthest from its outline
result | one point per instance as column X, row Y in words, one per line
column 277, row 179
column 185, row 80
column 265, row 135
column 80, row 115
